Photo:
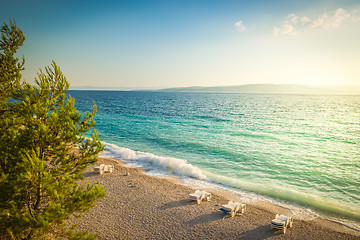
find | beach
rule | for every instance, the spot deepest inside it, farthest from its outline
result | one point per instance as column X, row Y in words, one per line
column 139, row 206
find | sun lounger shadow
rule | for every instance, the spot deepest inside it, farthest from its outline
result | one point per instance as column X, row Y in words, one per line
column 215, row 216
column 89, row 174
column 261, row 232
column 175, row 204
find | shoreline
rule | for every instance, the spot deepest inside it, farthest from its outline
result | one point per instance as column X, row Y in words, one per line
column 139, row 206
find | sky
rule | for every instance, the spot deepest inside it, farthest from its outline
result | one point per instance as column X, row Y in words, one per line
column 135, row 44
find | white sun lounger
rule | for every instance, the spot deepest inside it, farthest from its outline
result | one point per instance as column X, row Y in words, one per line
column 281, row 222
column 232, row 208
column 104, row 168
column 198, row 196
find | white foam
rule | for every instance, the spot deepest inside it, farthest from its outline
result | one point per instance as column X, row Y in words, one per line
column 153, row 162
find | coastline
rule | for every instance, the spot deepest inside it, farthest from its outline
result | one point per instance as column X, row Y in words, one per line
column 138, row 206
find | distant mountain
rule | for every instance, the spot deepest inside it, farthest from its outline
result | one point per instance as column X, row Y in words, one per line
column 272, row 88
column 249, row 88
column 99, row 88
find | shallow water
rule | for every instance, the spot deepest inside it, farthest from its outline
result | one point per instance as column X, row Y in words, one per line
column 298, row 148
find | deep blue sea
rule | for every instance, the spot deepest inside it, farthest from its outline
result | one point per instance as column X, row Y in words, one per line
column 301, row 149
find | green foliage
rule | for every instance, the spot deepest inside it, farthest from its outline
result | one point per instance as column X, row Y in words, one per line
column 39, row 166
column 10, row 80
column 10, row 68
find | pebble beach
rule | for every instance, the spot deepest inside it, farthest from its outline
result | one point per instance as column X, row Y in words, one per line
column 139, row 206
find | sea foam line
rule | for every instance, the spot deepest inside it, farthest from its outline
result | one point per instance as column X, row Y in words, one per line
column 176, row 166
column 290, row 196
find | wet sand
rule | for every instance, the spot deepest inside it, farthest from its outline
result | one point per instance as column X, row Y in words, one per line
column 138, row 206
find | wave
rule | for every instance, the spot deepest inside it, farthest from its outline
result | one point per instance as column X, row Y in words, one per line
column 291, row 196
column 212, row 118
column 177, row 166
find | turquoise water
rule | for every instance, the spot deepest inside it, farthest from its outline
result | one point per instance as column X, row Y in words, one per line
column 302, row 149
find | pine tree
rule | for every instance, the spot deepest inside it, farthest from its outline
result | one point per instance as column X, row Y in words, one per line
column 44, row 156
column 12, row 39
column 10, row 67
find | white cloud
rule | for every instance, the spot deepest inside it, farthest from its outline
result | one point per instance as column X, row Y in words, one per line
column 276, row 31
column 293, row 18
column 240, row 26
column 286, row 29
column 304, row 20
column 332, row 19
column 326, row 20
column 318, row 22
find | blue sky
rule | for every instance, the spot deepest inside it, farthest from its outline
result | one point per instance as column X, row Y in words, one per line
column 154, row 44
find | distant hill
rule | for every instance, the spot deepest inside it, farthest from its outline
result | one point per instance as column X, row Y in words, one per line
column 99, row 88
column 272, row 88
column 249, row 88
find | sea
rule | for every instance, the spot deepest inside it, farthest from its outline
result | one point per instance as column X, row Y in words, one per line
column 301, row 150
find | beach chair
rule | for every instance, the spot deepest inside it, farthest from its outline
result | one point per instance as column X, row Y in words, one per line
column 198, row 196
column 232, row 208
column 104, row 168
column 109, row 168
column 281, row 222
